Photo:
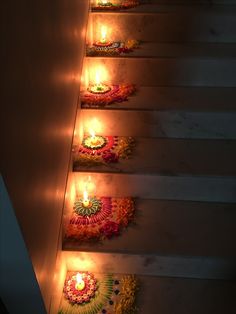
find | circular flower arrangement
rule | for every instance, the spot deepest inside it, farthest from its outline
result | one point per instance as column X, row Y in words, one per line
column 99, row 89
column 95, row 205
column 117, row 93
column 109, row 150
column 76, row 296
column 113, row 215
column 124, row 5
column 96, row 142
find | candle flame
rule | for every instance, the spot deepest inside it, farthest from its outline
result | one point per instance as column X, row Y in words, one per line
column 98, row 77
column 79, row 278
column 92, row 133
column 103, row 33
column 85, row 194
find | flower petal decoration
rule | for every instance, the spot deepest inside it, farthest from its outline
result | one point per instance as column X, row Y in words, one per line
column 112, row 148
column 117, row 94
column 113, row 215
column 115, row 49
column 103, row 293
column 124, row 5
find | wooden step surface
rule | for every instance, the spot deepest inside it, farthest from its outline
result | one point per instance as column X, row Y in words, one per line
column 185, row 296
column 183, row 50
column 164, row 124
column 173, row 228
column 188, row 99
column 189, row 188
column 170, row 24
column 175, row 158
column 218, row 72
column 152, row 265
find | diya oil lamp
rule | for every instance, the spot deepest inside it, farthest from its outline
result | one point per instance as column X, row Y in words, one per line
column 104, row 3
column 98, row 87
column 103, row 42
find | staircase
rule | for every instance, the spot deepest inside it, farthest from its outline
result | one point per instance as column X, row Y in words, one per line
column 182, row 172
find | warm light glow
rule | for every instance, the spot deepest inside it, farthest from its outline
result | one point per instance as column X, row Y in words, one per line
column 93, row 126
column 86, row 185
column 98, row 77
column 78, row 278
column 92, row 133
column 80, row 283
column 85, row 198
column 103, row 34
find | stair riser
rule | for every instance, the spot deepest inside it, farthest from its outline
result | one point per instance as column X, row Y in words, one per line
column 188, row 267
column 188, row 2
column 165, row 124
column 171, row 187
column 168, row 72
column 182, row 26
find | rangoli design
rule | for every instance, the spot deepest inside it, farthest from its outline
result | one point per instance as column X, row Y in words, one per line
column 112, row 49
column 104, row 218
column 107, row 149
column 101, row 293
column 116, row 94
column 108, row 5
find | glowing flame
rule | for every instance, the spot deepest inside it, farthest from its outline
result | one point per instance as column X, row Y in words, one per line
column 79, row 278
column 98, row 77
column 92, row 133
column 104, row 1
column 85, row 194
column 103, row 34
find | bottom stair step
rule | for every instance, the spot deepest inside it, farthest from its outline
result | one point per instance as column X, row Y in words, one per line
column 185, row 296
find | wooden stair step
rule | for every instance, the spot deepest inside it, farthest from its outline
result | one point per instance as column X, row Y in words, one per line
column 185, row 296
column 175, row 157
column 164, row 124
column 151, row 265
column 183, row 50
column 218, row 72
column 173, row 228
column 171, row 187
column 170, row 24
column 187, row 99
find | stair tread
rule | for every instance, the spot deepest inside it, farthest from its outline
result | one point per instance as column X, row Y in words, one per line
column 183, row 50
column 176, row 157
column 202, row 72
column 153, row 8
column 185, row 296
column 180, row 98
column 174, row 228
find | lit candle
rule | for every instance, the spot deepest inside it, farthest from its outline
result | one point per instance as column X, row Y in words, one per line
column 94, row 139
column 103, row 39
column 86, row 201
column 98, row 84
column 80, row 284
column 103, row 2
column 98, row 87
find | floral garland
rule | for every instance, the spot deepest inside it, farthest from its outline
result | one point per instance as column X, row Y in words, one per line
column 127, row 295
column 114, row 215
column 118, row 93
column 114, row 149
column 113, row 294
column 126, row 4
column 113, row 49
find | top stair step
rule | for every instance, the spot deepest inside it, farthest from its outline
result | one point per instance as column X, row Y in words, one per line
column 171, row 24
